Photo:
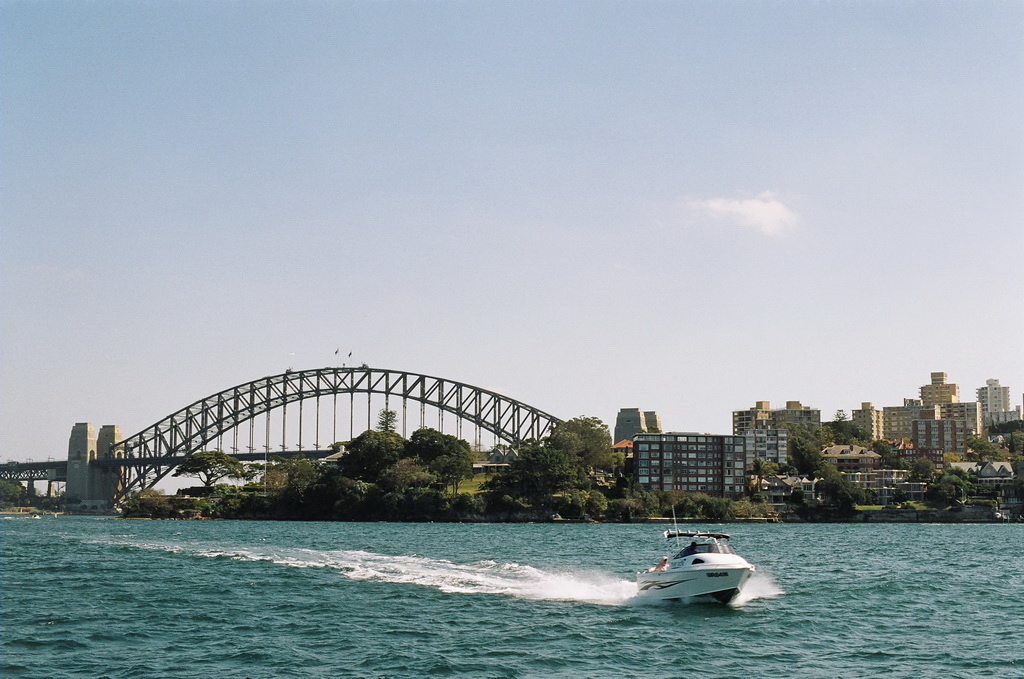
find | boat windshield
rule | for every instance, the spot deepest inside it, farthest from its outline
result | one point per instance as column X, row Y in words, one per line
column 710, row 547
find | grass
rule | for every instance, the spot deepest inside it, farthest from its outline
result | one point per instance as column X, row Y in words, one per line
column 472, row 485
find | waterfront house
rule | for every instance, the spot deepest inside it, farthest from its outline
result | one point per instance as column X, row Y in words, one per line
column 850, row 458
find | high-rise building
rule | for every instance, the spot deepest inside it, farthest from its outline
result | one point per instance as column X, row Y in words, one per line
column 994, row 401
column 770, row 445
column 968, row 413
column 948, row 436
column 753, row 418
column 870, row 419
column 762, row 416
column 897, row 420
column 796, row 413
column 630, row 422
column 940, row 391
column 705, row 463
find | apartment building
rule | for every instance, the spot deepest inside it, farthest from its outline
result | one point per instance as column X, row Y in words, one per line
column 762, row 416
column 706, row 463
column 940, row 391
column 911, row 454
column 897, row 421
column 969, row 413
column 947, row 436
column 870, row 419
column 758, row 417
column 770, row 445
column 994, row 401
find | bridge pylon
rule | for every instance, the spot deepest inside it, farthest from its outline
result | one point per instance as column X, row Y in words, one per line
column 92, row 487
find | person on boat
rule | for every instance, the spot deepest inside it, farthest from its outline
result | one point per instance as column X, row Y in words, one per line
column 692, row 549
column 661, row 567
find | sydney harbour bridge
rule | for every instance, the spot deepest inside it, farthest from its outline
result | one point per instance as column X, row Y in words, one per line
column 294, row 413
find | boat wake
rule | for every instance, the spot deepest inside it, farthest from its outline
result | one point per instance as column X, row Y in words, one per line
column 759, row 586
column 482, row 577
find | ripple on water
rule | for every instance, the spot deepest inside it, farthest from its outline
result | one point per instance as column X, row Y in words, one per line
column 242, row 599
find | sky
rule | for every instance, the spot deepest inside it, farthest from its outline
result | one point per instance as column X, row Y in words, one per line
column 684, row 207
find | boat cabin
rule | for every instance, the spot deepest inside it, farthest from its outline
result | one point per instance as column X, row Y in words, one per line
column 701, row 543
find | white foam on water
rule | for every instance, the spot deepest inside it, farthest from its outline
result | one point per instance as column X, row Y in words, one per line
column 483, row 577
column 761, row 585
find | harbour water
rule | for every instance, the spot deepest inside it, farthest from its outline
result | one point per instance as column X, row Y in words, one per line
column 91, row 597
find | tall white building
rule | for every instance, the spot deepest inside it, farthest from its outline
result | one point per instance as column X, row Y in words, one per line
column 995, row 404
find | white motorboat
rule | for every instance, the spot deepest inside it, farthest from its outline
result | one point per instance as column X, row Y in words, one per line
column 706, row 568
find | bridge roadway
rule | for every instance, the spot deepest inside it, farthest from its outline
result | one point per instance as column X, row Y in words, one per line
column 57, row 470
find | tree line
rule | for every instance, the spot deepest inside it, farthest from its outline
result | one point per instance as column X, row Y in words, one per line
column 572, row 473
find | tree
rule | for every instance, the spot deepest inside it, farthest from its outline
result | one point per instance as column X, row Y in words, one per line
column 585, row 438
column 804, row 450
column 406, row 473
column 447, row 456
column 454, row 468
column 370, row 453
column 386, row 420
column 538, row 473
column 982, row 448
column 211, row 466
column 891, row 458
column 841, row 493
column 11, row 492
column 922, row 470
column 758, row 470
column 948, row 488
column 1014, row 442
column 842, row 431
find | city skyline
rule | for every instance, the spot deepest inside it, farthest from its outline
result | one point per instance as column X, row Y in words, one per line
column 684, row 208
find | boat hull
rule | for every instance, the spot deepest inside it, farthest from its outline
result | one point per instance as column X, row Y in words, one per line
column 716, row 582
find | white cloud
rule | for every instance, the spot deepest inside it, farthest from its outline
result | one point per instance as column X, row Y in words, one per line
column 765, row 213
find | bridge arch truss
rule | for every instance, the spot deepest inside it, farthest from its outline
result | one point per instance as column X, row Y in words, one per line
column 146, row 457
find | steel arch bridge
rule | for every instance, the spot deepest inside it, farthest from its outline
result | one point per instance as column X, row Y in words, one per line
column 148, row 456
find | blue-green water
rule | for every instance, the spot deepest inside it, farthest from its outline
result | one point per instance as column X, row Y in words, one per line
column 86, row 597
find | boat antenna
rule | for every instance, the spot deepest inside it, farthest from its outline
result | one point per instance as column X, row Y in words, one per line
column 675, row 524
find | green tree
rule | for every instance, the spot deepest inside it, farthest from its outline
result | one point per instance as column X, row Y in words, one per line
column 11, row 493
column 922, row 470
column 370, row 453
column 538, row 473
column 447, row 456
column 841, row 431
column 1014, row 442
column 982, row 449
column 453, row 469
column 406, row 473
column 840, row 493
column 891, row 458
column 948, row 489
column 210, row 466
column 758, row 469
column 386, row 420
column 150, row 503
column 585, row 438
column 805, row 450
